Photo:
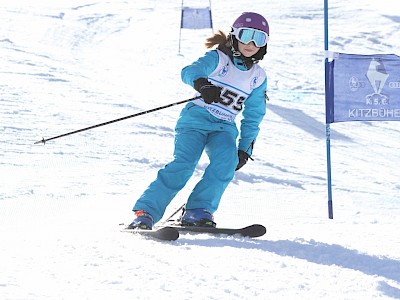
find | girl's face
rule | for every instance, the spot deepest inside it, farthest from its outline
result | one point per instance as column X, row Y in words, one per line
column 248, row 50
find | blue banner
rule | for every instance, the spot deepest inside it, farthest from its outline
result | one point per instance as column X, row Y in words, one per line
column 363, row 88
column 196, row 18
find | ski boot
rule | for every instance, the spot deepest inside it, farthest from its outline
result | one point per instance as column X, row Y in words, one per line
column 143, row 220
column 197, row 217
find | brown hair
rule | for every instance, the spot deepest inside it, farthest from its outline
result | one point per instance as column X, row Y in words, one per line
column 216, row 39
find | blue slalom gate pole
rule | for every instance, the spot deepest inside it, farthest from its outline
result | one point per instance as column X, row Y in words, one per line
column 327, row 124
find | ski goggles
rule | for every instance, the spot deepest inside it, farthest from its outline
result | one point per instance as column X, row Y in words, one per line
column 247, row 35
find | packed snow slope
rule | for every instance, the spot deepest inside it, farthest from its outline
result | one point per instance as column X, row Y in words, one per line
column 67, row 65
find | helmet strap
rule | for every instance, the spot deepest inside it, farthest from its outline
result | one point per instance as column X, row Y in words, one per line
column 234, row 46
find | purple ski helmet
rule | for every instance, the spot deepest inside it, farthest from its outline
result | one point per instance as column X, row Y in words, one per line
column 252, row 20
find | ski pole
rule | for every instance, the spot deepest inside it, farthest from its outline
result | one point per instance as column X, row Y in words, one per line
column 116, row 120
column 169, row 219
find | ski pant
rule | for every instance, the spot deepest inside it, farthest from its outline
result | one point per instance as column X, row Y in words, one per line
column 220, row 146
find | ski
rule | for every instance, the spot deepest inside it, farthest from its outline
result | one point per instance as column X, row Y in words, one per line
column 254, row 230
column 171, row 232
column 167, row 233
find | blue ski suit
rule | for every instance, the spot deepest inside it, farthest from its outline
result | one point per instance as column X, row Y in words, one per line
column 210, row 128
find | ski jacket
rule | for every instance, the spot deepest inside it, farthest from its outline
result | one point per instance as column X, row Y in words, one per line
column 242, row 91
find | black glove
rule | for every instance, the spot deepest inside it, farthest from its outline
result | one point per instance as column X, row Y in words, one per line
column 209, row 92
column 243, row 158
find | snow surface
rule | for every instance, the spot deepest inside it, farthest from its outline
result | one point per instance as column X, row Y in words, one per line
column 67, row 65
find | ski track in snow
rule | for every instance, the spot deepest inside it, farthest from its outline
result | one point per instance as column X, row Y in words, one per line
column 68, row 65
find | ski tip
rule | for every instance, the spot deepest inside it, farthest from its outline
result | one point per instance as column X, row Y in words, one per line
column 167, row 234
column 257, row 230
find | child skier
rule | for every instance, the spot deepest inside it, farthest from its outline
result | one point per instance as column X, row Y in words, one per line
column 229, row 81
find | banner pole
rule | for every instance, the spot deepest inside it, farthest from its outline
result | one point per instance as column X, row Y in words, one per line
column 327, row 124
column 180, row 29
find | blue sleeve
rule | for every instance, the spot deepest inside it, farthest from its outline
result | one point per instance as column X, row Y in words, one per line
column 202, row 67
column 253, row 114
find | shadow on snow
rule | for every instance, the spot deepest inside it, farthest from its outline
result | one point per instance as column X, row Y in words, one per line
column 314, row 252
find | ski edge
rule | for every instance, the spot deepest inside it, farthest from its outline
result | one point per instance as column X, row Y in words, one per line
column 167, row 233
